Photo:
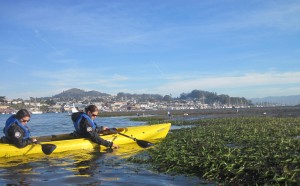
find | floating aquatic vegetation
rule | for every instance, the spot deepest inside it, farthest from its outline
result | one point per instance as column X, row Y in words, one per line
column 247, row 150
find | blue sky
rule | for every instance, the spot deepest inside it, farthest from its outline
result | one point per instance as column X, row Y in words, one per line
column 240, row 48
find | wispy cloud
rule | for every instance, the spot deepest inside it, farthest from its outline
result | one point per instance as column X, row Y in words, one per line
column 80, row 77
column 247, row 82
column 125, row 27
column 246, row 48
column 44, row 40
column 14, row 61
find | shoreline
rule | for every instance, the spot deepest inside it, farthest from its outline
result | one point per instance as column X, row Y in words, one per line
column 282, row 111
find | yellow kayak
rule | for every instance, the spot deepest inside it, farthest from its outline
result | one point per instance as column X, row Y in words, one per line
column 142, row 135
column 76, row 156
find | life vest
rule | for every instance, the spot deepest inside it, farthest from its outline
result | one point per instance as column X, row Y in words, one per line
column 10, row 121
column 78, row 120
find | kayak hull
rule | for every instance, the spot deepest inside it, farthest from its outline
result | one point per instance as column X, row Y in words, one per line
column 150, row 133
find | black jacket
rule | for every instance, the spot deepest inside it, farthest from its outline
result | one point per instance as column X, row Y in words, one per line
column 16, row 135
column 86, row 131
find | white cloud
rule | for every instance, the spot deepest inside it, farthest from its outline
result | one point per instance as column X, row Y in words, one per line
column 234, row 84
column 79, row 78
column 249, row 85
column 14, row 61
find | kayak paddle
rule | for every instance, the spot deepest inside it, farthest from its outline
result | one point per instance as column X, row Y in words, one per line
column 47, row 148
column 141, row 143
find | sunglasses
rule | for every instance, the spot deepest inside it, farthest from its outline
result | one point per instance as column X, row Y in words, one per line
column 24, row 121
column 94, row 115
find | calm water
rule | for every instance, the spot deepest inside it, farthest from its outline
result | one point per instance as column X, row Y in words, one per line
column 81, row 167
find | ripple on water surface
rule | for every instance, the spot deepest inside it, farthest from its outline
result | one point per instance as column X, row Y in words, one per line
column 81, row 167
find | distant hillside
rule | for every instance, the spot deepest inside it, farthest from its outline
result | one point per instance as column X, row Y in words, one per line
column 204, row 96
column 76, row 93
column 212, row 97
column 281, row 100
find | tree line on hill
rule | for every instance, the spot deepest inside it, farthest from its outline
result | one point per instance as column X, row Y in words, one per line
column 76, row 93
column 206, row 97
column 195, row 95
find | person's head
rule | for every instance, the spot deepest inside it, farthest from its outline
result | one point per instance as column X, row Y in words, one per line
column 23, row 116
column 92, row 111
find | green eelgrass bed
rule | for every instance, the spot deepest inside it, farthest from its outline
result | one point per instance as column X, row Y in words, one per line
column 245, row 150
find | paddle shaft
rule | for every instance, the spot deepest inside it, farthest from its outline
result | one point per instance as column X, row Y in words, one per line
column 127, row 136
column 141, row 143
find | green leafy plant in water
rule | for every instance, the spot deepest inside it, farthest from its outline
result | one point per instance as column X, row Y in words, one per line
column 251, row 150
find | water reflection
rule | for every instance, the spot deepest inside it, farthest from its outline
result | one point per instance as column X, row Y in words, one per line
column 83, row 167
column 82, row 163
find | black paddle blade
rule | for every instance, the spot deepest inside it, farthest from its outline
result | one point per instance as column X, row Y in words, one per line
column 48, row 148
column 143, row 144
column 109, row 150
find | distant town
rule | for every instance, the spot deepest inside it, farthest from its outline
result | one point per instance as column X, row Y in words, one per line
column 74, row 100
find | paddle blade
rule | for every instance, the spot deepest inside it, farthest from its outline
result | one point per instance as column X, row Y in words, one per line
column 109, row 150
column 48, row 148
column 143, row 144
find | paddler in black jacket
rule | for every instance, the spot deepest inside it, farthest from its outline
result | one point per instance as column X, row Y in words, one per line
column 86, row 127
column 16, row 131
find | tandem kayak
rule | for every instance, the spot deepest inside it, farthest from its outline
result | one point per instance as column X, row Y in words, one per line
column 67, row 142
